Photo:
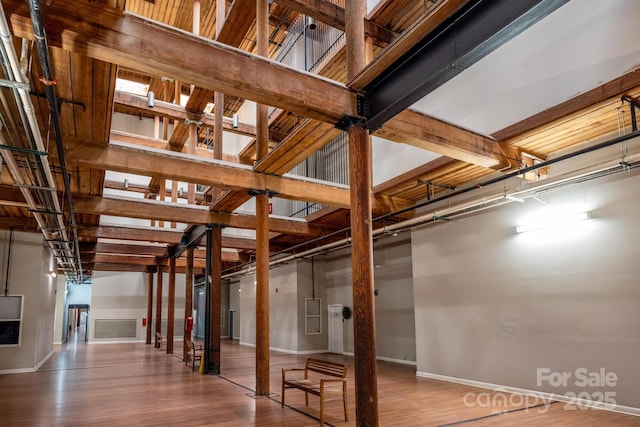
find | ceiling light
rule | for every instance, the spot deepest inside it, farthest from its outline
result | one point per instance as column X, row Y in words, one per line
column 53, row 274
column 552, row 221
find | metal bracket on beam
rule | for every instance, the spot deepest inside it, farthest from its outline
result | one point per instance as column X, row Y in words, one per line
column 254, row 192
column 61, row 100
column 348, row 122
column 431, row 184
column 192, row 122
column 633, row 103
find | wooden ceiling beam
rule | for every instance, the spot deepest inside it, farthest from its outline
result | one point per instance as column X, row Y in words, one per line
column 161, row 144
column 305, row 140
column 230, row 201
column 153, row 234
column 151, row 260
column 129, row 103
column 131, row 41
column 420, row 130
column 140, row 234
column 121, row 248
column 334, row 16
column 127, row 158
column 189, row 214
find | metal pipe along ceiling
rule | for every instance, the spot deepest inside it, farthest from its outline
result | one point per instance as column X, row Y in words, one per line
column 632, row 160
column 32, row 173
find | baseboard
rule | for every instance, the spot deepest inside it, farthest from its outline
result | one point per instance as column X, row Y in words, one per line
column 248, row 344
column 17, row 371
column 400, row 361
column 44, row 359
column 545, row 397
column 27, row 370
column 118, row 342
column 288, row 351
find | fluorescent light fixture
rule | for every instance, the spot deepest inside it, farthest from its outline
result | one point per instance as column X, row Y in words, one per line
column 552, row 221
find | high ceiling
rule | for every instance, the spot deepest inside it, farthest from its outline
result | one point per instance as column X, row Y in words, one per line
column 549, row 88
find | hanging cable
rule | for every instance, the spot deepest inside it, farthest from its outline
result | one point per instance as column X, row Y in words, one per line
column 313, row 281
column 6, row 279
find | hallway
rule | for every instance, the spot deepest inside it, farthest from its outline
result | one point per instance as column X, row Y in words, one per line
column 137, row 385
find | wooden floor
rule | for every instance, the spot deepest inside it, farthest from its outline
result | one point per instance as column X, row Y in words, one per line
column 137, row 385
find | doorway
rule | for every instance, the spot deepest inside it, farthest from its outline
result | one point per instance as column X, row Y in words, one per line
column 77, row 323
column 335, row 329
column 199, row 308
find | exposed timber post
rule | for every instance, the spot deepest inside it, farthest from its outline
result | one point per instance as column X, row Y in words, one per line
column 360, row 178
column 262, row 221
column 159, row 304
column 149, row 306
column 171, row 303
column 188, row 300
column 216, row 298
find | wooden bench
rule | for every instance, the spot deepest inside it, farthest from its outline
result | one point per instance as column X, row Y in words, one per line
column 194, row 352
column 316, row 384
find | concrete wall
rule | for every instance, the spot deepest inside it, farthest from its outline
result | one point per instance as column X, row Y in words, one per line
column 29, row 276
column 496, row 307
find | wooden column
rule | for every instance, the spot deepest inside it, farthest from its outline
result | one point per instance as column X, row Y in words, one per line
column 262, row 222
column 171, row 303
column 162, row 194
column 149, row 306
column 218, row 100
column 159, row 304
column 188, row 300
column 360, row 176
column 193, row 143
column 174, row 197
column 216, row 299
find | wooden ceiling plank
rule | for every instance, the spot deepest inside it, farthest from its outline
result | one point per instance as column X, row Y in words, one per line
column 305, row 140
column 334, row 16
column 407, row 40
column 230, row 201
column 610, row 89
column 106, row 34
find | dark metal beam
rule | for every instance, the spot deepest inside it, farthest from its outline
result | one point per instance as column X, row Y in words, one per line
column 474, row 31
column 191, row 237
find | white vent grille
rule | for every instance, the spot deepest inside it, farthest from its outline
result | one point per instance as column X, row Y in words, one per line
column 115, row 328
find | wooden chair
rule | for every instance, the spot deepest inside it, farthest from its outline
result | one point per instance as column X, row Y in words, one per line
column 161, row 342
column 194, row 353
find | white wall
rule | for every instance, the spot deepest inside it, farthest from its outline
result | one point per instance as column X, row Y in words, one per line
column 28, row 276
column 124, row 296
column 234, row 304
column 395, row 324
column 495, row 306
column 289, row 285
